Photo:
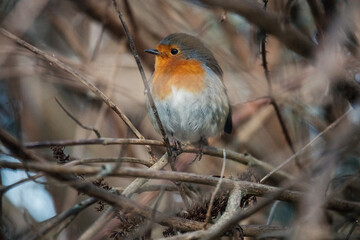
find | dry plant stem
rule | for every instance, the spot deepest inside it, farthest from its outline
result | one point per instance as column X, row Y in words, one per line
column 3, row 189
column 100, row 37
column 77, row 121
column 97, row 141
column 245, row 159
column 288, row 34
column 273, row 102
column 142, row 73
column 208, row 213
column 263, row 55
column 355, row 224
column 11, row 143
column 285, row 131
column 137, row 183
column 157, row 187
column 111, row 160
column 59, row 64
column 55, row 222
column 250, row 188
column 303, row 149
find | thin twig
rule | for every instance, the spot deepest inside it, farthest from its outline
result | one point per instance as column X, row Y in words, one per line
column 273, row 101
column 245, row 159
column 142, row 73
column 208, row 213
column 55, row 222
column 96, row 141
column 303, row 149
column 77, row 121
column 251, row 188
column 263, row 54
column 354, row 225
column 285, row 130
column 101, row 35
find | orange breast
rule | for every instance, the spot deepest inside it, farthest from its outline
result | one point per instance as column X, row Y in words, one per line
column 177, row 72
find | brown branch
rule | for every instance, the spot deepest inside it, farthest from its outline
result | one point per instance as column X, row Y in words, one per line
column 97, row 133
column 245, row 159
column 303, row 149
column 285, row 130
column 288, row 34
column 8, row 141
column 97, row 141
column 208, row 213
column 110, row 160
column 273, row 101
column 55, row 222
column 143, row 77
column 250, row 187
column 3, row 189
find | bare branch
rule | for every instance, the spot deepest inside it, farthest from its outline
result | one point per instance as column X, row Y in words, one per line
column 77, row 121
column 55, row 222
column 97, row 141
column 251, row 188
column 143, row 77
column 245, row 159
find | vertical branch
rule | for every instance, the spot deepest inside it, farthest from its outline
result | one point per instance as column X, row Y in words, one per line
column 273, row 102
column 142, row 73
column 263, row 54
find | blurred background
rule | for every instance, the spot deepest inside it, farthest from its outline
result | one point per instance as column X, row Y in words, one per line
column 273, row 117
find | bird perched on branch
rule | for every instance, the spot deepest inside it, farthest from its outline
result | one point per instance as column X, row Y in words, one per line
column 188, row 91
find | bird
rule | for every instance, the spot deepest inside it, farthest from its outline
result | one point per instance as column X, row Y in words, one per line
column 188, row 91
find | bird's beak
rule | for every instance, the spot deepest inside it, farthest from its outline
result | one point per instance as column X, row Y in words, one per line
column 152, row 51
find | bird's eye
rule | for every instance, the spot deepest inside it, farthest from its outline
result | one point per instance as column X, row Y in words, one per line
column 174, row 51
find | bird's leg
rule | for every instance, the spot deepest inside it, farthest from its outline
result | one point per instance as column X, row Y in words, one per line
column 176, row 145
column 203, row 142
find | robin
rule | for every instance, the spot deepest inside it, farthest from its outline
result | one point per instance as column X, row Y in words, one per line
column 188, row 91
